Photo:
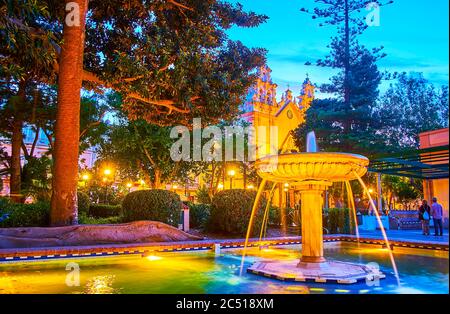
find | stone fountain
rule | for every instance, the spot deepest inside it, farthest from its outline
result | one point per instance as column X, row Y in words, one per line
column 311, row 173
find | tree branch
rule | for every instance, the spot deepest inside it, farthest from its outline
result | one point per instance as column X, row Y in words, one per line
column 167, row 103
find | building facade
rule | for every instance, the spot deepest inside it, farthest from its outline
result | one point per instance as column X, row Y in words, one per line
column 40, row 147
column 437, row 187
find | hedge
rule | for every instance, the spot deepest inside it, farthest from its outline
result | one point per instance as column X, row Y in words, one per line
column 157, row 205
column 231, row 210
column 199, row 215
column 104, row 210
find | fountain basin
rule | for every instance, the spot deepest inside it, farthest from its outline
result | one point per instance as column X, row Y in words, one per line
column 300, row 167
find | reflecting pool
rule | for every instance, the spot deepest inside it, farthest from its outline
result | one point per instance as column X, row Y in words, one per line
column 421, row 271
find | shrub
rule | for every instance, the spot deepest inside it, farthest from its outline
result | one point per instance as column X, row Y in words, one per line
column 104, row 210
column 158, row 205
column 85, row 220
column 231, row 210
column 337, row 220
column 24, row 215
column 274, row 216
column 203, row 195
column 83, row 203
column 199, row 215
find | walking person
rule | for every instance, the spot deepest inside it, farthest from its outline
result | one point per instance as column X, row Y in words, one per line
column 424, row 217
column 436, row 212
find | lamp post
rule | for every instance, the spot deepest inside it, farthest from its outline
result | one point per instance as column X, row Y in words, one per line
column 85, row 178
column 231, row 174
column 106, row 172
column 286, row 189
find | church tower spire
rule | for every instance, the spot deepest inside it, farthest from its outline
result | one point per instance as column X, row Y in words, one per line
column 307, row 94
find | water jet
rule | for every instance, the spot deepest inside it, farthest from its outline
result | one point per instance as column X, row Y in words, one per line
column 311, row 173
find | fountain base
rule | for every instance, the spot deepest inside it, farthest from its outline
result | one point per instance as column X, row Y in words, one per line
column 325, row 272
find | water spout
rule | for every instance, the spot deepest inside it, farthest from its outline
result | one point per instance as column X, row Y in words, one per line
column 311, row 143
column 383, row 231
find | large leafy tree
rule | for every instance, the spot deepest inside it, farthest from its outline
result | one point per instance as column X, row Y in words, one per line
column 27, row 56
column 344, row 121
column 170, row 60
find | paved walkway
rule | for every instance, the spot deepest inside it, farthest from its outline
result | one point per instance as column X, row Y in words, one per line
column 407, row 235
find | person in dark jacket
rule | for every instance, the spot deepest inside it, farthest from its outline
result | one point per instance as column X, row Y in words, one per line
column 424, row 217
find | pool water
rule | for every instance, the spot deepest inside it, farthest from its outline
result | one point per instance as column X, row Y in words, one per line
column 203, row 272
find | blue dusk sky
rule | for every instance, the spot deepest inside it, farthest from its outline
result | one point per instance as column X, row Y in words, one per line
column 414, row 33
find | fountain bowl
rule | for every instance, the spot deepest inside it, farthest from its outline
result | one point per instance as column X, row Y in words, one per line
column 320, row 166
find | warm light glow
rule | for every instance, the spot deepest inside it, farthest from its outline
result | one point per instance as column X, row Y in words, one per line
column 231, row 173
column 286, row 185
column 286, row 189
column 142, row 182
column 129, row 185
column 154, row 258
column 174, row 186
column 370, row 190
column 220, row 186
column 85, row 177
column 250, row 187
column 104, row 179
column 107, row 172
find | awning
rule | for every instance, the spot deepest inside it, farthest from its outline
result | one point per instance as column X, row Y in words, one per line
column 430, row 163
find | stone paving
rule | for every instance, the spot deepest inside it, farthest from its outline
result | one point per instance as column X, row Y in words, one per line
column 408, row 235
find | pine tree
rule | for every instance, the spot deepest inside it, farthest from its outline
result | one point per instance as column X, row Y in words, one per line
column 345, row 122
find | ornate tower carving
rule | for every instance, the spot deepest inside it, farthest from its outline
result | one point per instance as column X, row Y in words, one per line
column 307, row 95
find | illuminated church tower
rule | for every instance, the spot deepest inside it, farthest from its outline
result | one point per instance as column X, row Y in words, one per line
column 262, row 109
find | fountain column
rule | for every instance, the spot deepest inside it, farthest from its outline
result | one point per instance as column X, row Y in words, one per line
column 311, row 216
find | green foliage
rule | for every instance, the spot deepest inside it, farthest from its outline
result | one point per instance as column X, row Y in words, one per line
column 338, row 220
column 231, row 211
column 104, row 210
column 274, row 216
column 86, row 220
column 158, row 205
column 199, row 215
column 36, row 178
column 104, row 194
column 410, row 106
column 83, row 203
column 24, row 215
column 192, row 63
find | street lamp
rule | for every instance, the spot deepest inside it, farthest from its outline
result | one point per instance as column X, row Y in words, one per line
column 220, row 186
column 250, row 187
column 107, row 172
column 231, row 174
column 85, row 177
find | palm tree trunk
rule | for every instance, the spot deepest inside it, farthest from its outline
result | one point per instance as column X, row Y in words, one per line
column 64, row 209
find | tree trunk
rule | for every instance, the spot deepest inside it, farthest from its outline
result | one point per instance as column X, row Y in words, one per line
column 64, row 210
column 157, row 182
column 16, row 146
column 347, row 55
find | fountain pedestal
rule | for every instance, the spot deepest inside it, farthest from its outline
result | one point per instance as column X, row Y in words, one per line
column 312, row 230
